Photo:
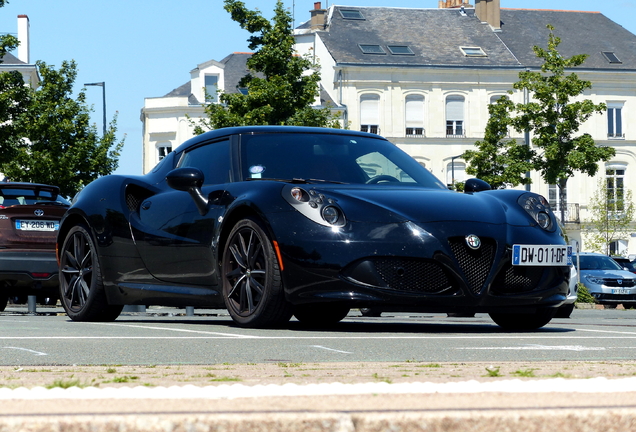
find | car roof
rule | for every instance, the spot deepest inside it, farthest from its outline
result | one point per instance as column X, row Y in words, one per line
column 218, row 133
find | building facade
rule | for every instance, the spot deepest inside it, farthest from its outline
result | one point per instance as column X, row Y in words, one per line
column 423, row 78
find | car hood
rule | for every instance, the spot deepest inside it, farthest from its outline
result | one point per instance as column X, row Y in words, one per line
column 608, row 274
column 420, row 205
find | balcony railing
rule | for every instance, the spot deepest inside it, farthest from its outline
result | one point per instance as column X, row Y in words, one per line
column 571, row 213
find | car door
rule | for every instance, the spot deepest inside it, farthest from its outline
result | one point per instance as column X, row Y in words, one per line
column 176, row 241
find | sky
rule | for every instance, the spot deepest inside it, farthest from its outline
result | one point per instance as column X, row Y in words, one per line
column 146, row 48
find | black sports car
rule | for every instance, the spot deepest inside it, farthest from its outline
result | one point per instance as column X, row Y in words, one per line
column 275, row 221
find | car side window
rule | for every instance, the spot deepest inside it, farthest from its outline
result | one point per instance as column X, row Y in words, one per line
column 212, row 159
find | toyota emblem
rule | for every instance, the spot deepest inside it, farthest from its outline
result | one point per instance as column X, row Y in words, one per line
column 39, row 212
column 473, row 241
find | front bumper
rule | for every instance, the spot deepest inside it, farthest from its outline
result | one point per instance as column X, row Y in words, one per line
column 402, row 266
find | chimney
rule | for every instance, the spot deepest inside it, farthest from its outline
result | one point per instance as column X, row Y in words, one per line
column 452, row 4
column 318, row 17
column 23, row 37
column 488, row 11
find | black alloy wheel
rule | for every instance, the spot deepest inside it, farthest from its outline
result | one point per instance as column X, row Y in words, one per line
column 81, row 287
column 252, row 284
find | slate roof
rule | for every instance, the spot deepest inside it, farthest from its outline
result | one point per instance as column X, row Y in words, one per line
column 11, row 59
column 435, row 37
column 235, row 69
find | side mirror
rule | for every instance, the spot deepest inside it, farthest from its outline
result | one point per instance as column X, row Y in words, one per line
column 475, row 185
column 184, row 179
column 189, row 180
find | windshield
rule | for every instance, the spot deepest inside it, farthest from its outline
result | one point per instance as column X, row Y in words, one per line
column 331, row 157
column 598, row 262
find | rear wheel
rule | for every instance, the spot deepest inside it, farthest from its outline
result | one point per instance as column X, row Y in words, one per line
column 520, row 321
column 252, row 285
column 320, row 314
column 81, row 287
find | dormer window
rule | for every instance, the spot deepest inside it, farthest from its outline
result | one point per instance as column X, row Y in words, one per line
column 351, row 14
column 371, row 49
column 400, row 50
column 611, row 57
column 473, row 52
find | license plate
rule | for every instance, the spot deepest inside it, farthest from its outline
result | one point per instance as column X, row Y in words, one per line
column 36, row 225
column 621, row 291
column 541, row 255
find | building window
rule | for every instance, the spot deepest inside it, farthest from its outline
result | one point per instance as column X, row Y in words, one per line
column 351, row 14
column 400, row 50
column 163, row 151
column 414, row 115
column 615, row 120
column 455, row 173
column 211, row 88
column 611, row 57
column 618, row 248
column 371, row 49
column 553, row 197
column 370, row 113
column 615, row 178
column 473, row 52
column 455, row 117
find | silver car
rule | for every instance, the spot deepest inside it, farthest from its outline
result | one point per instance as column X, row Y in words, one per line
column 606, row 280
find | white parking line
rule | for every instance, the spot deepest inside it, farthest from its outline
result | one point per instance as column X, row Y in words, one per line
column 331, row 349
column 539, row 347
column 28, row 350
column 175, row 330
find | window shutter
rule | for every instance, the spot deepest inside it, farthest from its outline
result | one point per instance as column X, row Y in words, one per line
column 455, row 108
column 370, row 109
column 414, row 111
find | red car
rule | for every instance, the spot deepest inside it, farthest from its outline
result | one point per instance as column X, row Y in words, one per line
column 29, row 220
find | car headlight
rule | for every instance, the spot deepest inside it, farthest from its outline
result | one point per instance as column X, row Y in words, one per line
column 539, row 209
column 315, row 205
column 594, row 279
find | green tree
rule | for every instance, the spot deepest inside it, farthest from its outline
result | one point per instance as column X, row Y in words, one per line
column 499, row 160
column 553, row 118
column 60, row 146
column 281, row 86
column 14, row 97
column 612, row 214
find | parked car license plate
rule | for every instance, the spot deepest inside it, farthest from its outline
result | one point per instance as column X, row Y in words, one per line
column 36, row 225
column 541, row 255
column 621, row 291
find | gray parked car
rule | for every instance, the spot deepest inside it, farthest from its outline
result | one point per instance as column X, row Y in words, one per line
column 606, row 280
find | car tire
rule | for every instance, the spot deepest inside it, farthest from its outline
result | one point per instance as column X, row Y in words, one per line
column 322, row 314
column 518, row 321
column 81, row 285
column 4, row 301
column 370, row 312
column 252, row 284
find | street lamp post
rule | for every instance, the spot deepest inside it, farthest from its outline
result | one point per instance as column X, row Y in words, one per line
column 103, row 86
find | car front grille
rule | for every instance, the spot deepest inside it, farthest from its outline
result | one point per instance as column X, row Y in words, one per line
column 412, row 275
column 408, row 275
column 614, row 283
column 517, row 279
column 475, row 264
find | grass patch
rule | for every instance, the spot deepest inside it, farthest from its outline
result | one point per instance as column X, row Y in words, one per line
column 493, row 372
column 525, row 373
column 65, row 384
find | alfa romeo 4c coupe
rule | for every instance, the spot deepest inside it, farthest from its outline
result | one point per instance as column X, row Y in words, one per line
column 272, row 222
